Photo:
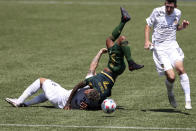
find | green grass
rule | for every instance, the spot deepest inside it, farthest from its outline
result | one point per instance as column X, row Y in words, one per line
column 58, row 39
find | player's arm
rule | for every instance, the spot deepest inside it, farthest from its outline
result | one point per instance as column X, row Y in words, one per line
column 78, row 86
column 147, row 37
column 95, row 62
column 184, row 25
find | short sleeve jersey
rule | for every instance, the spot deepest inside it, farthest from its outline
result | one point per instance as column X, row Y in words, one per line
column 164, row 26
column 103, row 83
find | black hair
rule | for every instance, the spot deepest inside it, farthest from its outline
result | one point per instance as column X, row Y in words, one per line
column 93, row 95
column 172, row 1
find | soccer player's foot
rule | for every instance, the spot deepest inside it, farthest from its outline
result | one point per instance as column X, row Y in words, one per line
column 23, row 105
column 172, row 100
column 13, row 102
column 133, row 66
column 125, row 16
column 188, row 105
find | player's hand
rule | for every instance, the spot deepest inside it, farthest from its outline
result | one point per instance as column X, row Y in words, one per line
column 67, row 107
column 185, row 23
column 103, row 50
column 83, row 106
column 147, row 45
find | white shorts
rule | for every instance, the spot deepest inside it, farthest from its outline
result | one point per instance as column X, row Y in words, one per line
column 56, row 94
column 166, row 59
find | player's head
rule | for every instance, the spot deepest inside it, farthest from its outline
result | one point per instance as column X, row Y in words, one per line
column 170, row 5
column 93, row 95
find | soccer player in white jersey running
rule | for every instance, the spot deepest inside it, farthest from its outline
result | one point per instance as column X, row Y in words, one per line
column 166, row 52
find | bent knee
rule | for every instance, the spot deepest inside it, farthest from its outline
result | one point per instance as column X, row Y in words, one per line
column 179, row 67
column 171, row 78
column 170, row 75
column 180, row 71
column 121, row 39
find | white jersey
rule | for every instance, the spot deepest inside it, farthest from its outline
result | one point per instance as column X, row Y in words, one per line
column 164, row 26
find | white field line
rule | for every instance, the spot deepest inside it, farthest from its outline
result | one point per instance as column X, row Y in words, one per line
column 100, row 127
column 91, row 3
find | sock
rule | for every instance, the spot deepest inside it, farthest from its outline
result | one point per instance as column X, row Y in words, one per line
column 36, row 100
column 126, row 50
column 117, row 31
column 169, row 86
column 184, row 81
column 32, row 89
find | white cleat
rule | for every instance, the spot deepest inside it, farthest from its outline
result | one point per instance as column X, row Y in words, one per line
column 188, row 105
column 172, row 100
column 13, row 102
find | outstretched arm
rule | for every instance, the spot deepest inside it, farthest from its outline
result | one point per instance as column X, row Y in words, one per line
column 95, row 61
column 78, row 86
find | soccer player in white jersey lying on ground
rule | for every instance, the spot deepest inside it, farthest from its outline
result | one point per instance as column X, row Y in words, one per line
column 56, row 94
column 166, row 52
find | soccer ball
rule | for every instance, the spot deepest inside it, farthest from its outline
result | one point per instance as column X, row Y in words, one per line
column 108, row 105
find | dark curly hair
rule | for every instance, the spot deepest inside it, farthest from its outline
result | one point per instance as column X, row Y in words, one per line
column 93, row 95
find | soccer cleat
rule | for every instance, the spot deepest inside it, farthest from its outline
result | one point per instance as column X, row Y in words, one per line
column 13, row 102
column 133, row 66
column 125, row 16
column 23, row 105
column 172, row 100
column 188, row 105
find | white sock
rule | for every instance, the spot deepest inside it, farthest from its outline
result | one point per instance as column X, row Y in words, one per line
column 32, row 89
column 169, row 86
column 184, row 80
column 36, row 100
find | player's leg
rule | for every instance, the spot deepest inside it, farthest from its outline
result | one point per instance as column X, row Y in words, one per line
column 56, row 94
column 164, row 68
column 127, row 52
column 36, row 100
column 32, row 89
column 124, row 18
column 169, row 82
column 185, row 84
column 118, row 29
column 116, row 33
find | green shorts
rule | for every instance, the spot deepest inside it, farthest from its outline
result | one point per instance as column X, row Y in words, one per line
column 116, row 60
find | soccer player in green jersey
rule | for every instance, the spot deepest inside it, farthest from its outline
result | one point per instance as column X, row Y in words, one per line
column 104, row 81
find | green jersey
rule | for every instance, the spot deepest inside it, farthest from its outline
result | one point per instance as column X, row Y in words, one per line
column 103, row 83
column 116, row 60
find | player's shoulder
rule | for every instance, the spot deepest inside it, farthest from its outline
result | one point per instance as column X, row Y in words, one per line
column 177, row 11
column 159, row 9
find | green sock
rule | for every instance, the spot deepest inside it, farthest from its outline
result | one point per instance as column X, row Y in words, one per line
column 126, row 50
column 117, row 31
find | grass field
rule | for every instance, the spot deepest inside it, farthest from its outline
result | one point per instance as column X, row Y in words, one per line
column 57, row 39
